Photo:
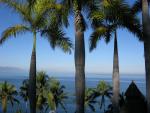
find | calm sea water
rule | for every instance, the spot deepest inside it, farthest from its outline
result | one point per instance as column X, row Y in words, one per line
column 91, row 81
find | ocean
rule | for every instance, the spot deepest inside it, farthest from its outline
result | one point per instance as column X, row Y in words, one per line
column 68, row 81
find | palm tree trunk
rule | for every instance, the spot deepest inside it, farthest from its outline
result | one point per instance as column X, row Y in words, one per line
column 32, row 79
column 4, row 104
column 79, row 63
column 116, row 83
column 146, row 25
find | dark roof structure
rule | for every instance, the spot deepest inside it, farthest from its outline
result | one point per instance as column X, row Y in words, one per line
column 133, row 92
column 134, row 101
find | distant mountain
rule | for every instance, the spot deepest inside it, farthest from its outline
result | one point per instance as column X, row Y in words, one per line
column 11, row 71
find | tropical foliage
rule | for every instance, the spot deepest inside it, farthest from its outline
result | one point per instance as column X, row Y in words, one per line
column 90, row 99
column 47, row 19
column 59, row 96
column 24, row 92
column 8, row 94
column 104, row 90
column 50, row 93
column 106, row 19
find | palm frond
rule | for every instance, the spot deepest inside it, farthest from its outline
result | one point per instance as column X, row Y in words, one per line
column 97, row 15
column 137, row 7
column 57, row 38
column 40, row 11
column 91, row 5
column 68, row 4
column 21, row 8
column 90, row 98
column 63, row 106
column 100, row 32
column 132, row 23
column 16, row 100
column 65, row 44
column 13, row 31
column 31, row 3
column 116, row 10
column 64, row 16
column 95, row 37
column 60, row 16
column 51, row 101
column 43, row 6
column 76, row 4
column 92, row 107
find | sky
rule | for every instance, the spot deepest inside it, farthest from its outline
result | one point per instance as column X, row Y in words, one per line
column 16, row 52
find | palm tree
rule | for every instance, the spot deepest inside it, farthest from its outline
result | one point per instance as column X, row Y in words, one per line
column 146, row 35
column 77, row 6
column 56, row 95
column 90, row 98
column 104, row 90
column 37, row 18
column 41, row 81
column 50, row 93
column 106, row 20
column 24, row 92
column 8, row 94
column 143, row 5
column 51, row 102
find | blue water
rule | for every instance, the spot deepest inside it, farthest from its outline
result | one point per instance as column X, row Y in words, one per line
column 68, row 81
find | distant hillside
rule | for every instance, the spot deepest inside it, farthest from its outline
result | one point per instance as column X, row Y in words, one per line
column 11, row 71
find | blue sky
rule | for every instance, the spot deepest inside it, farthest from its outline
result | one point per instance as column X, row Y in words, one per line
column 16, row 52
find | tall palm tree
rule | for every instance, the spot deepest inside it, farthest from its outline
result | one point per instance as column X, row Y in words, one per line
column 106, row 20
column 143, row 5
column 146, row 34
column 79, row 54
column 8, row 94
column 77, row 6
column 37, row 18
column 116, row 82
